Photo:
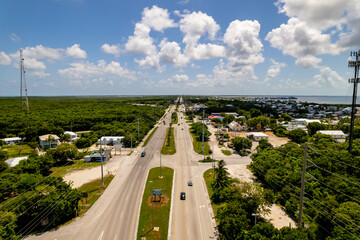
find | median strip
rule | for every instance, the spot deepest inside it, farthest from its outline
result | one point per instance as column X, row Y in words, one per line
column 155, row 209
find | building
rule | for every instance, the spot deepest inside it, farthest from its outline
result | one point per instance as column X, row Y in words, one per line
column 257, row 136
column 96, row 156
column 110, row 140
column 338, row 135
column 12, row 140
column 235, row 126
column 73, row 136
column 49, row 140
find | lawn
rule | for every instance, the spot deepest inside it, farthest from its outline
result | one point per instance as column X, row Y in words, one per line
column 169, row 148
column 226, row 152
column 208, row 176
column 17, row 150
column 71, row 166
column 93, row 190
column 161, row 213
column 149, row 137
column 198, row 146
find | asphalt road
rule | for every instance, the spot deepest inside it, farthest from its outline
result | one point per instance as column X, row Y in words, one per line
column 191, row 218
column 115, row 215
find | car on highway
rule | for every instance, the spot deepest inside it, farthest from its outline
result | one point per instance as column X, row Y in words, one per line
column 182, row 196
column 143, row 154
column 190, row 183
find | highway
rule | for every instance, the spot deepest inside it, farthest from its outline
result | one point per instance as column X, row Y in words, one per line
column 115, row 215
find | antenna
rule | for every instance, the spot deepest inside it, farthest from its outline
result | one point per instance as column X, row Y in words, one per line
column 356, row 65
column 24, row 102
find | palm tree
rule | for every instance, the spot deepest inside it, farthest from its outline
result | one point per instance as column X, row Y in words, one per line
column 221, row 178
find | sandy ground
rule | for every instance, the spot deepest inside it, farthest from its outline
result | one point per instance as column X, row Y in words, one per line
column 79, row 178
column 277, row 215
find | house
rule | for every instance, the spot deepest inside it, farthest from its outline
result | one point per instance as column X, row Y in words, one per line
column 338, row 135
column 49, row 140
column 12, row 140
column 234, row 126
column 256, row 136
column 73, row 136
column 110, row 140
column 96, row 156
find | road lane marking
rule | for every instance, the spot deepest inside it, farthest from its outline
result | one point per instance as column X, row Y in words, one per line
column 101, row 235
column 115, row 237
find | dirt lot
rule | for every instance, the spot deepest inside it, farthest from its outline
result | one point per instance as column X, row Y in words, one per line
column 277, row 215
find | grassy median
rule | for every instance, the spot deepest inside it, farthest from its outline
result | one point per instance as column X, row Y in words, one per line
column 149, row 137
column 168, row 147
column 226, row 152
column 198, row 146
column 161, row 205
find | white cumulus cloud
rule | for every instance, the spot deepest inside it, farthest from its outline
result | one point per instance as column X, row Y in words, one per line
column 157, row 18
column 4, row 59
column 274, row 69
column 75, row 51
column 308, row 61
column 328, row 78
column 111, row 49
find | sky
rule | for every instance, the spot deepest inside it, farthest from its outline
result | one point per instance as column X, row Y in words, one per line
column 190, row 47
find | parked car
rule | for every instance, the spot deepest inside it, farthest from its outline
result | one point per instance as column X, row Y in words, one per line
column 182, row 196
column 190, row 183
column 143, row 154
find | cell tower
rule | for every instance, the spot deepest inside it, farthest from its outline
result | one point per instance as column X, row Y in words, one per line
column 356, row 65
column 23, row 90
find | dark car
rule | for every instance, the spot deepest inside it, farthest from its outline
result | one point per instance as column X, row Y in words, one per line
column 190, row 183
column 182, row 196
column 143, row 154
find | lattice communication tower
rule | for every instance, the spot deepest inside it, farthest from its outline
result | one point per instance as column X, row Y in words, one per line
column 23, row 90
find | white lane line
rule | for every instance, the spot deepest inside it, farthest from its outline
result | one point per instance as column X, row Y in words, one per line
column 101, row 235
column 115, row 237
column 121, row 214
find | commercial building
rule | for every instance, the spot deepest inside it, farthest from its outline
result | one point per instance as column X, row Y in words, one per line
column 12, row 140
column 338, row 135
column 257, row 136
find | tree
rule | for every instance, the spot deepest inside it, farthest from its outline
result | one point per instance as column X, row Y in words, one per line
column 255, row 112
column 240, row 144
column 65, row 137
column 263, row 143
column 228, row 119
column 298, row 135
column 286, row 117
column 260, row 121
column 63, row 152
column 197, row 129
column 314, row 127
column 220, row 182
column 83, row 143
column 280, row 131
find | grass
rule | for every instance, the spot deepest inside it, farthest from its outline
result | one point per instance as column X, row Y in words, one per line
column 71, row 166
column 161, row 214
column 169, row 148
column 198, row 146
column 129, row 154
column 17, row 150
column 149, row 137
column 226, row 152
column 93, row 190
column 208, row 177
column 208, row 159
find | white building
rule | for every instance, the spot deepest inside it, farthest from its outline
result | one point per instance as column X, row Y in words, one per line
column 73, row 136
column 49, row 140
column 338, row 135
column 111, row 140
column 257, row 136
column 12, row 140
column 234, row 126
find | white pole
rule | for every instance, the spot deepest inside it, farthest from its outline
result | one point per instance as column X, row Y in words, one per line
column 102, row 173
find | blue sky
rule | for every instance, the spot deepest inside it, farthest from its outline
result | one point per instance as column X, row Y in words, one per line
column 247, row 47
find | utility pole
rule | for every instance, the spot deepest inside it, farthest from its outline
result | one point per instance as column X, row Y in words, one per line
column 131, row 141
column 355, row 64
column 152, row 205
column 302, row 187
column 101, row 157
column 138, row 131
column 202, row 148
column 160, row 165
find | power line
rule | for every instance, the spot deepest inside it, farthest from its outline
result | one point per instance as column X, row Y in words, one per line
column 347, row 164
column 314, row 165
column 331, row 220
column 334, row 189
